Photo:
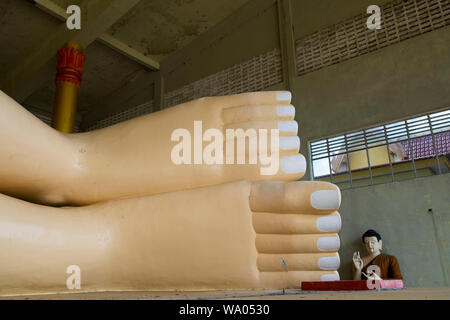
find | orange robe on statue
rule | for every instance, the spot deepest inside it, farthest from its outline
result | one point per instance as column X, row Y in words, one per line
column 389, row 267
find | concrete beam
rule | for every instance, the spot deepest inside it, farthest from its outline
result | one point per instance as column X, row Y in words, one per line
column 26, row 76
column 117, row 45
column 220, row 31
column 130, row 53
column 158, row 100
column 51, row 8
column 287, row 42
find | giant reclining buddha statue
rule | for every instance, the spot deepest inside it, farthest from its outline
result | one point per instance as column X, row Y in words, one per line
column 114, row 203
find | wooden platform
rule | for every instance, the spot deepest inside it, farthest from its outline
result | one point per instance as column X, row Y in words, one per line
column 348, row 285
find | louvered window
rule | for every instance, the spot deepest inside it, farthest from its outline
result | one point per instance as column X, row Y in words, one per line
column 400, row 150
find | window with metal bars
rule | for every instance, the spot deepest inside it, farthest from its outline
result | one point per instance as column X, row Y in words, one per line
column 415, row 147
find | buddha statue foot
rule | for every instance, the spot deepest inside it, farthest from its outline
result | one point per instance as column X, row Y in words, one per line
column 135, row 158
column 240, row 235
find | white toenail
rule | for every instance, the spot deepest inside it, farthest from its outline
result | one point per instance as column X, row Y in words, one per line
column 330, row 277
column 288, row 126
column 332, row 223
column 326, row 199
column 284, row 96
column 329, row 263
column 290, row 143
column 328, row 243
column 286, row 111
column 293, row 164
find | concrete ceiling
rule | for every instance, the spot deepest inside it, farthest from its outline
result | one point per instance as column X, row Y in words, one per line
column 155, row 28
column 22, row 25
column 159, row 27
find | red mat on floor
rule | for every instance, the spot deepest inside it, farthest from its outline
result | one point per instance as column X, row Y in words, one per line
column 345, row 285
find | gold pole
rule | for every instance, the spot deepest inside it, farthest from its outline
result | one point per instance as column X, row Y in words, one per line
column 68, row 82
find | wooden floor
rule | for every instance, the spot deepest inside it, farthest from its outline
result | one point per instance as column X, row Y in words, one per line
column 437, row 293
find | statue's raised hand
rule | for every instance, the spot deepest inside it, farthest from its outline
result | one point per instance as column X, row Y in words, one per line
column 357, row 261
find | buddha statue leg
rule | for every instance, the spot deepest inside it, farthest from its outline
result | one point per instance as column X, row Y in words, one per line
column 35, row 160
column 238, row 235
column 134, row 158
